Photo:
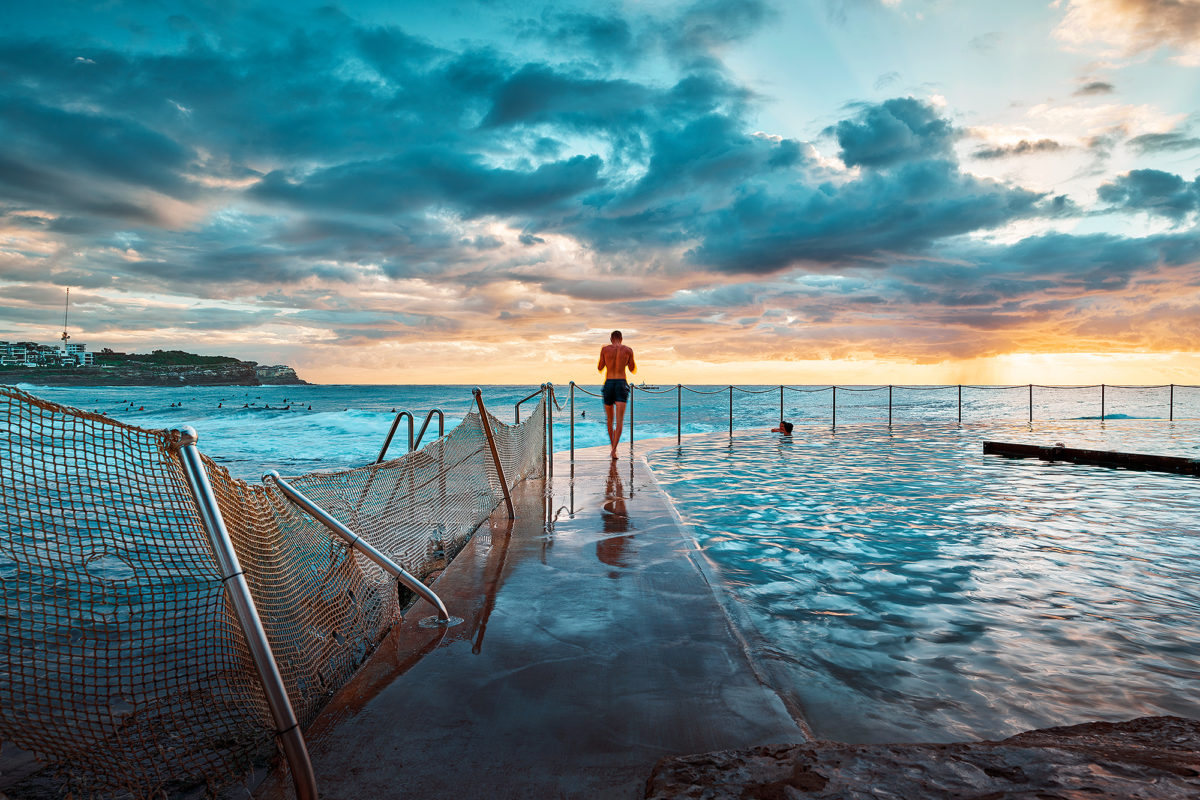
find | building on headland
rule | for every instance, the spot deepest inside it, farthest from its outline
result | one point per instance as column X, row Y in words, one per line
column 12, row 354
column 32, row 354
column 78, row 351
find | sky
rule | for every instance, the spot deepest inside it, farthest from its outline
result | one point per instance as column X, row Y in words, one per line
column 478, row 191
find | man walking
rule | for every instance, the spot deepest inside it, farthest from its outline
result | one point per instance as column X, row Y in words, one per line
column 614, row 358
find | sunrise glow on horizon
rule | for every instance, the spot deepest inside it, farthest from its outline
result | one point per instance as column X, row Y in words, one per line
column 756, row 192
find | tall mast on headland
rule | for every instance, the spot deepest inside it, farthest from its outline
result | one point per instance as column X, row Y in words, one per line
column 66, row 310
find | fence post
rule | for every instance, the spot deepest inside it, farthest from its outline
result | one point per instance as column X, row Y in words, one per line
column 678, row 414
column 487, row 430
column 889, row 405
column 834, row 406
column 731, row 411
column 287, row 727
column 1031, row 403
column 632, row 392
column 1172, row 406
column 571, row 393
column 1102, row 402
column 960, row 404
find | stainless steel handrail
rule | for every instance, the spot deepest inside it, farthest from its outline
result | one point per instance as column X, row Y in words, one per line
column 517, row 407
column 491, row 440
column 413, row 443
column 392, row 432
column 287, row 727
column 424, row 425
column 356, row 542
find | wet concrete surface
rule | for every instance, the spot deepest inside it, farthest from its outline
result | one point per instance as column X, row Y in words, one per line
column 592, row 646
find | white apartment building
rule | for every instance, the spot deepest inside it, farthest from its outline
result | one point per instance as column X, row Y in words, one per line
column 28, row 354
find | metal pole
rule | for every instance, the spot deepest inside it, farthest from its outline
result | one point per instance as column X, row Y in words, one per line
column 1172, row 404
column 549, row 418
column 572, row 395
column 834, row 407
column 356, row 542
column 889, row 405
column 1031, row 403
column 781, row 404
column 731, row 412
column 960, row 404
column 678, row 414
column 487, row 430
column 287, row 727
column 1102, row 402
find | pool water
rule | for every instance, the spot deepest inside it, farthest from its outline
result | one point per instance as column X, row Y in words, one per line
column 914, row 589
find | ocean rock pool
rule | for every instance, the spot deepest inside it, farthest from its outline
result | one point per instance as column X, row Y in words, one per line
column 910, row 588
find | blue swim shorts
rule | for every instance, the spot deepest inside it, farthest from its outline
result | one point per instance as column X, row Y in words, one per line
column 616, row 390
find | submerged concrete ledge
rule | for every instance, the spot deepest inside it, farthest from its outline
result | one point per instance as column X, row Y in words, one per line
column 1099, row 458
column 592, row 647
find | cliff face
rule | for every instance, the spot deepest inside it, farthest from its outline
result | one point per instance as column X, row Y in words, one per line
column 277, row 375
column 240, row 373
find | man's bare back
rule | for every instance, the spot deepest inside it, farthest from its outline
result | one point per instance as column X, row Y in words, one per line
column 614, row 358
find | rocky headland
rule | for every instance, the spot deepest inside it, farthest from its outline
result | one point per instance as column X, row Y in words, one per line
column 171, row 368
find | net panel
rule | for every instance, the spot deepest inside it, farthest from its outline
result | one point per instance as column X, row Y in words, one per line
column 123, row 664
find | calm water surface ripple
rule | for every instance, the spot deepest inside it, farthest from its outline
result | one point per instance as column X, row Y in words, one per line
column 917, row 590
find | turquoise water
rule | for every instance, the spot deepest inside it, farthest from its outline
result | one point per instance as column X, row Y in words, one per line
column 914, row 589
column 296, row 429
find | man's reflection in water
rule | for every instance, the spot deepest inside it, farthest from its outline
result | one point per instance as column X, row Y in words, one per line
column 614, row 549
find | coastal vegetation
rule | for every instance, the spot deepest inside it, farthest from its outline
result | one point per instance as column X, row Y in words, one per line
column 157, row 368
column 160, row 358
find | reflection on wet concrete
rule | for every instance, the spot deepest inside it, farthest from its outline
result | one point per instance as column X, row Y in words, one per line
column 615, row 550
column 582, row 682
column 501, row 535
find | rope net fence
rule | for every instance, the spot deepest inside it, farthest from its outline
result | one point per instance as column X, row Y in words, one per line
column 124, row 666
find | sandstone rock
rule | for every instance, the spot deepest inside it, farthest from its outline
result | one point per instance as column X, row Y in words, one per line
column 277, row 375
column 1147, row 758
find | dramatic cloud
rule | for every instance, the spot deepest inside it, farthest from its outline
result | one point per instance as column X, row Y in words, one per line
column 1130, row 27
column 335, row 185
column 903, row 129
column 1021, row 148
column 1153, row 191
column 1165, row 142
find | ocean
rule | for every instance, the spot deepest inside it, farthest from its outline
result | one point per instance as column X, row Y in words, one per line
column 297, row 429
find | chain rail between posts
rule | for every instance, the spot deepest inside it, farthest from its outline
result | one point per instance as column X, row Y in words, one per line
column 679, row 389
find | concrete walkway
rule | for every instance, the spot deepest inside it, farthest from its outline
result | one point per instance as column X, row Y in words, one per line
column 592, row 646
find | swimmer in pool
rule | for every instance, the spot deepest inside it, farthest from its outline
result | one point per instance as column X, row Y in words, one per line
column 784, row 427
column 614, row 358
